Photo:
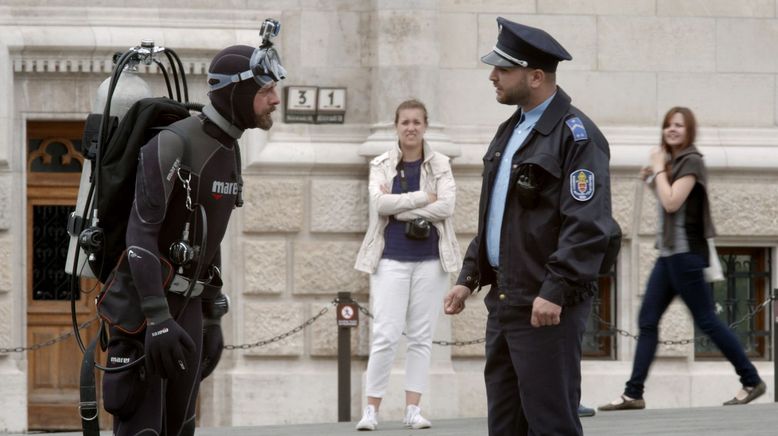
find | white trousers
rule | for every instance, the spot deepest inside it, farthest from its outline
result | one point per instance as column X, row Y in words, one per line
column 404, row 296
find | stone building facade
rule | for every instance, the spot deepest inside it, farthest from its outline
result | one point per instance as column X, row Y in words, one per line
column 291, row 248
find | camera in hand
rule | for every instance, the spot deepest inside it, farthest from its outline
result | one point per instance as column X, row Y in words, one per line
column 418, row 228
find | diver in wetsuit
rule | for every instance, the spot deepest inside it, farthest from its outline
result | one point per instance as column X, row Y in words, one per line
column 187, row 184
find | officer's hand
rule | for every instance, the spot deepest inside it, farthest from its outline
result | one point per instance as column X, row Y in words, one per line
column 432, row 197
column 455, row 300
column 167, row 348
column 213, row 344
column 385, row 189
column 545, row 313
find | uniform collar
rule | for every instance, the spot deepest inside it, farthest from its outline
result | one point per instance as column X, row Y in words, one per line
column 532, row 116
column 555, row 111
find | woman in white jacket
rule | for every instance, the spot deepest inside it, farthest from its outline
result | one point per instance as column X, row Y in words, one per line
column 409, row 250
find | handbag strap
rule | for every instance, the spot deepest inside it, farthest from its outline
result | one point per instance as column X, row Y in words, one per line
column 401, row 173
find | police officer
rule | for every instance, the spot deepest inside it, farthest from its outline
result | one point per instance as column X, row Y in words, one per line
column 544, row 228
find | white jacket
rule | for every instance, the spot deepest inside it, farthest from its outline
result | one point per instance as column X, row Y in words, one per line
column 437, row 178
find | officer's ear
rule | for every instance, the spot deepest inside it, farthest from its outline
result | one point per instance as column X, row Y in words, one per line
column 536, row 78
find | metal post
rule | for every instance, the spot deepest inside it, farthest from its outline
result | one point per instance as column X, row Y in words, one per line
column 775, row 346
column 344, row 366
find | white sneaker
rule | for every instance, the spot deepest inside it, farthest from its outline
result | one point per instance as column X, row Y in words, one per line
column 369, row 421
column 413, row 418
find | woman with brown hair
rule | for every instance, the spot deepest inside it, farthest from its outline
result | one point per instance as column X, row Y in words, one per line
column 678, row 178
column 409, row 250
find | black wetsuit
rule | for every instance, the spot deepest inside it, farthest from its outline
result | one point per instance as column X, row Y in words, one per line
column 158, row 218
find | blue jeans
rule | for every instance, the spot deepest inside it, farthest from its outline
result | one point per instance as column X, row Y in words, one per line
column 681, row 274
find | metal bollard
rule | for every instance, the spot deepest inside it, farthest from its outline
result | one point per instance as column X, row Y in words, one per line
column 775, row 346
column 347, row 317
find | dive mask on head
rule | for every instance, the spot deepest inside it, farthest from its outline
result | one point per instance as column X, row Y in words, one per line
column 265, row 64
column 265, row 68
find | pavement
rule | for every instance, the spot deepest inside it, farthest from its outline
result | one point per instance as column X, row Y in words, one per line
column 749, row 420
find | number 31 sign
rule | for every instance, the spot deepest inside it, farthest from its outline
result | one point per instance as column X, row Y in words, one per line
column 312, row 104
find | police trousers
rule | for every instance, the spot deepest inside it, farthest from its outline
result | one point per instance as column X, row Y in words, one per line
column 533, row 375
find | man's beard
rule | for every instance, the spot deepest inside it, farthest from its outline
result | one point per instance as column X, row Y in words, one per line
column 265, row 122
column 516, row 96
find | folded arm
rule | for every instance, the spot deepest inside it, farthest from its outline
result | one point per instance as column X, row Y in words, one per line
column 440, row 209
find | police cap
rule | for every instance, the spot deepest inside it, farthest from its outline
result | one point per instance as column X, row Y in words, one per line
column 524, row 46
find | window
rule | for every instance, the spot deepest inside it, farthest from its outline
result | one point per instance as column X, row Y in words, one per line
column 746, row 286
column 599, row 338
column 54, row 163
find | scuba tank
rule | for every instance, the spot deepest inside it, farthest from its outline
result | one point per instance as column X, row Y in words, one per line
column 129, row 89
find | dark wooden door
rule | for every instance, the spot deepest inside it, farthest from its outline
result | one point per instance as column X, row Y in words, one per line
column 54, row 166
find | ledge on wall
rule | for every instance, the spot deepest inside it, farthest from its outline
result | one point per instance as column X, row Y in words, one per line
column 383, row 137
column 302, row 149
column 725, row 148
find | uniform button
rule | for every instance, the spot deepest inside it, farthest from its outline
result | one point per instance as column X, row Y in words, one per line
column 515, row 166
column 497, row 154
column 469, row 278
column 502, row 297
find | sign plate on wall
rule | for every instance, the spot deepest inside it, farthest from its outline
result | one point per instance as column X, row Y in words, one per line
column 332, row 105
column 300, row 104
column 312, row 104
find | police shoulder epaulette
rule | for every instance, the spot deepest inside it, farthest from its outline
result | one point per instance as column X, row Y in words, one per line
column 577, row 129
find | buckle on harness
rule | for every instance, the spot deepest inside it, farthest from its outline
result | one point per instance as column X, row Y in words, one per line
column 180, row 284
column 88, row 405
column 75, row 224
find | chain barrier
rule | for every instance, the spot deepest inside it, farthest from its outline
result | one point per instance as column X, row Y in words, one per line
column 50, row 342
column 367, row 313
column 442, row 343
column 246, row 346
column 687, row 341
column 282, row 336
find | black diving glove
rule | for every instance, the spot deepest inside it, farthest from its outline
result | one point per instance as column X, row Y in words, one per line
column 213, row 344
column 168, row 347
column 213, row 340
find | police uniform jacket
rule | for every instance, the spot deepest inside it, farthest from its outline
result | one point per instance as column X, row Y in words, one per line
column 555, row 247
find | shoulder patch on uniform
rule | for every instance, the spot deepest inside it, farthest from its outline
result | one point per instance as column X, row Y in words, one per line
column 582, row 184
column 577, row 129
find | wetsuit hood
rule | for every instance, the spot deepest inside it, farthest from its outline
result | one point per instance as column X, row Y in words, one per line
column 234, row 102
